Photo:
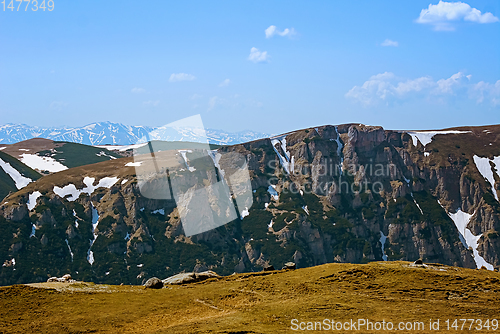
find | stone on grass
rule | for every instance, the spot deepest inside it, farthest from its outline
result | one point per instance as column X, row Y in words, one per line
column 185, row 278
column 289, row 265
column 206, row 275
column 153, row 283
column 180, row 278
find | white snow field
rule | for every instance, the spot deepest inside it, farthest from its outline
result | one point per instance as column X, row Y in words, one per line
column 484, row 167
column 42, row 163
column 461, row 220
column 286, row 161
column 32, row 199
column 89, row 188
column 425, row 137
column 18, row 179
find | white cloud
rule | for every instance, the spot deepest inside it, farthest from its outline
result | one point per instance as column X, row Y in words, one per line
column 386, row 87
column 388, row 42
column 212, row 102
column 58, row 105
column 175, row 77
column 441, row 15
column 137, row 90
column 225, row 83
column 272, row 30
column 447, row 86
column 415, row 85
column 258, row 57
column 486, row 91
column 196, row 96
column 151, row 103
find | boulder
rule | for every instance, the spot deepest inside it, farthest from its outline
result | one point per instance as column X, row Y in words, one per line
column 269, row 268
column 190, row 277
column 180, row 278
column 153, row 283
column 419, row 261
column 206, row 275
column 65, row 279
column 289, row 265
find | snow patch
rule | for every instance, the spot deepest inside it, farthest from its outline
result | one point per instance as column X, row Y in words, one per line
column 305, row 209
column 382, row 240
column 20, row 180
column 160, row 211
column 76, row 220
column 133, row 164
column 124, row 181
column 244, row 213
column 104, row 154
column 286, row 161
column 216, row 158
column 426, row 154
column 484, row 167
column 425, row 137
column 461, row 220
column 33, row 230
column 42, row 163
column 121, row 148
column 95, row 222
column 418, row 206
column 32, row 199
column 73, row 193
column 272, row 191
column 339, row 150
column 70, row 252
column 90, row 257
column 183, row 154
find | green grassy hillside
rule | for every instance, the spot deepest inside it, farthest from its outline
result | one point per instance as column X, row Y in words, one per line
column 6, row 182
column 74, row 155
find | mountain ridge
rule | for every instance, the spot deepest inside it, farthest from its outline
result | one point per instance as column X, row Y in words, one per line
column 110, row 133
column 438, row 203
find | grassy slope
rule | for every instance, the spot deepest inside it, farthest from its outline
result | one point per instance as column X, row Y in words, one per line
column 257, row 303
column 74, row 155
column 6, row 182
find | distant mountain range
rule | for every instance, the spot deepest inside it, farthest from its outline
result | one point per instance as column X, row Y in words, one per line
column 109, row 133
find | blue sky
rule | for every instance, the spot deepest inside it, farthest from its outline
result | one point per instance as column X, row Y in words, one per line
column 399, row 64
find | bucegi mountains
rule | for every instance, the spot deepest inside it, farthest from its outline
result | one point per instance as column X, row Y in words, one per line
column 347, row 193
column 108, row 133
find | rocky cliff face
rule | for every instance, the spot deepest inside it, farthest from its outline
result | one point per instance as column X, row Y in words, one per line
column 351, row 193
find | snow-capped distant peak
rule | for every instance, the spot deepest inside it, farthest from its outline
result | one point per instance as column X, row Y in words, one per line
column 109, row 133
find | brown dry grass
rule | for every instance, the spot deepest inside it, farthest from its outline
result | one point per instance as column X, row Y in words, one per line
column 33, row 146
column 256, row 303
